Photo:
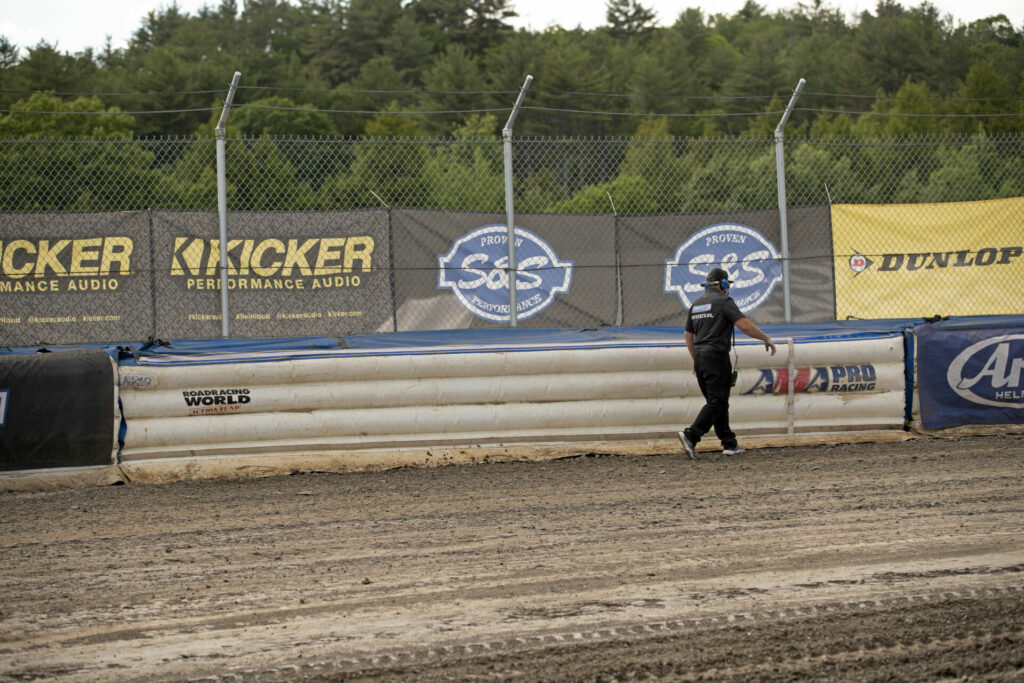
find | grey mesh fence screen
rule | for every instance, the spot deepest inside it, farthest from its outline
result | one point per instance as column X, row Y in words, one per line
column 118, row 240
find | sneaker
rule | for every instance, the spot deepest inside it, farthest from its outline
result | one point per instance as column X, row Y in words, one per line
column 735, row 450
column 688, row 445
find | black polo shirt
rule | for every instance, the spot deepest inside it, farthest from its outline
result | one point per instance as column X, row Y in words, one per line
column 711, row 319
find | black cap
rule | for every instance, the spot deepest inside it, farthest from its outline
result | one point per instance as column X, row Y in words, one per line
column 716, row 275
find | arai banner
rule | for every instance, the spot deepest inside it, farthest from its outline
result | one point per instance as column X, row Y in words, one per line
column 970, row 376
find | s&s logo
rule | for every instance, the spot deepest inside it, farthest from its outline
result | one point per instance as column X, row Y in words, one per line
column 475, row 270
column 749, row 257
column 990, row 372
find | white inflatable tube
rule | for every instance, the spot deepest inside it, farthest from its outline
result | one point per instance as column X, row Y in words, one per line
column 636, row 433
column 353, row 366
column 140, row 403
column 657, row 415
column 351, row 398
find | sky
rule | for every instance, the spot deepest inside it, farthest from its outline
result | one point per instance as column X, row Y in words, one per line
column 77, row 24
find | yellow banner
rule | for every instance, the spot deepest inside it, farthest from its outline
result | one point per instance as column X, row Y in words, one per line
column 921, row 260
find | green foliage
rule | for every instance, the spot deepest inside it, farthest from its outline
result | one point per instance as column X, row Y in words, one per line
column 62, row 119
column 382, row 171
column 192, row 179
column 280, row 116
column 699, row 64
column 262, row 178
column 356, row 74
column 813, row 175
column 470, row 179
column 43, row 69
column 8, row 53
column 452, row 80
column 52, row 167
column 628, row 18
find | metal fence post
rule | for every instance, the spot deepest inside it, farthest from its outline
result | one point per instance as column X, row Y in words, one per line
column 152, row 273
column 222, row 206
column 506, row 136
column 780, row 171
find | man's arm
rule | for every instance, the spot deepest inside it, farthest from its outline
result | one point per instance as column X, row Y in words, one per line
column 751, row 330
column 689, row 337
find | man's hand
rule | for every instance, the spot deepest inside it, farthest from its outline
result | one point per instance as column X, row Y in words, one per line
column 751, row 330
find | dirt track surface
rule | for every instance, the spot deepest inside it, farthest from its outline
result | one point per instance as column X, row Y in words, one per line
column 871, row 561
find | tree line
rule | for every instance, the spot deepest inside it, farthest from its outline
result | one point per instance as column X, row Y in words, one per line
column 333, row 87
column 324, row 67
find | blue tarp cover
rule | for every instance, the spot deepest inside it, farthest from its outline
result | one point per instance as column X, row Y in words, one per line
column 200, row 351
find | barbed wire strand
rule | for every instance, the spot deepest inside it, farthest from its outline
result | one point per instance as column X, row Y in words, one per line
column 342, row 91
column 571, row 93
column 110, row 113
column 113, row 94
column 445, row 112
column 906, row 114
column 373, row 111
column 837, row 257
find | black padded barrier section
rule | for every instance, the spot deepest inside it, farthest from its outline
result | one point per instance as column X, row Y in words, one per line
column 56, row 410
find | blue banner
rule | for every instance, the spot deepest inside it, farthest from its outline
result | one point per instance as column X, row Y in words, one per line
column 970, row 376
column 747, row 255
column 475, row 270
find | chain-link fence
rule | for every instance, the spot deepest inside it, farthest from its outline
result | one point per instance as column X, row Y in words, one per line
column 118, row 240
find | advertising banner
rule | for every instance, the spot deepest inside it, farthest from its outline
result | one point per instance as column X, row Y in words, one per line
column 75, row 277
column 290, row 273
column 970, row 376
column 451, row 270
column 666, row 258
column 920, row 260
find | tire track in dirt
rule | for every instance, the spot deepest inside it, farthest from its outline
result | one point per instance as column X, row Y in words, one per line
column 582, row 566
column 422, row 659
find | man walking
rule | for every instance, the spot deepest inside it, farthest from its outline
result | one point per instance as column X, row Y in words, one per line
column 709, row 331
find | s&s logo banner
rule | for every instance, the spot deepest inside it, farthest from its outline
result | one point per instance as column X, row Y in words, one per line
column 970, row 376
column 918, row 260
column 475, row 270
column 748, row 256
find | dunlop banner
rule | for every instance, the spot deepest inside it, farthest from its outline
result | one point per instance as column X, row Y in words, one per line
column 920, row 260
column 73, row 278
column 290, row 274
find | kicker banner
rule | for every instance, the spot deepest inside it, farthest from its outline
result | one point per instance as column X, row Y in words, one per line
column 104, row 277
column 920, row 260
column 289, row 273
column 74, row 277
column 970, row 375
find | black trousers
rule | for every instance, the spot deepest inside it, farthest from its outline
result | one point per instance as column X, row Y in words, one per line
column 714, row 376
